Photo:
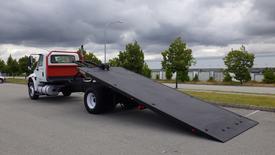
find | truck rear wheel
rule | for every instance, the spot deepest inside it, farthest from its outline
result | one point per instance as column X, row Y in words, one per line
column 99, row 99
column 94, row 100
column 32, row 94
column 1, row 81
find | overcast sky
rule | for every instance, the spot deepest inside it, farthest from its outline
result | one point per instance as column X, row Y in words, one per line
column 210, row 27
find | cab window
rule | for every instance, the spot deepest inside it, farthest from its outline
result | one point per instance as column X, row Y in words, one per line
column 40, row 60
column 62, row 58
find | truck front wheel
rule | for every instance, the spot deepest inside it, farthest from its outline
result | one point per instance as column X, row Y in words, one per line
column 94, row 100
column 32, row 94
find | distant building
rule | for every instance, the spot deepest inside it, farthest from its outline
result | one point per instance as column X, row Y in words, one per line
column 207, row 67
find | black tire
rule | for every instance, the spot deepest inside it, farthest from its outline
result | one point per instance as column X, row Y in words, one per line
column 1, row 81
column 66, row 93
column 99, row 99
column 94, row 100
column 32, row 94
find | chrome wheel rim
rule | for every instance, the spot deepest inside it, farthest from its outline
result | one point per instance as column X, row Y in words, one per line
column 31, row 90
column 91, row 100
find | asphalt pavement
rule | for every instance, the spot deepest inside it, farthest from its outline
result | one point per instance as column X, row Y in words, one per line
column 60, row 125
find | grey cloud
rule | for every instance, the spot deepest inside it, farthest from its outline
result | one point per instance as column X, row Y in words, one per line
column 265, row 7
column 261, row 21
column 155, row 23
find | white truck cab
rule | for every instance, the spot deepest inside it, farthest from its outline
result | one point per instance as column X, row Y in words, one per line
column 53, row 73
column 40, row 70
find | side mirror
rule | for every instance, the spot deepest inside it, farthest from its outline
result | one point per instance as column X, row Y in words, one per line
column 30, row 62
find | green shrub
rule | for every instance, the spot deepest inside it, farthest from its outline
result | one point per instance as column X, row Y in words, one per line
column 211, row 79
column 157, row 76
column 196, row 78
column 269, row 76
column 227, row 77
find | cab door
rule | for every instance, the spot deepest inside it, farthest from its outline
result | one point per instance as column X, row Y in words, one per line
column 40, row 70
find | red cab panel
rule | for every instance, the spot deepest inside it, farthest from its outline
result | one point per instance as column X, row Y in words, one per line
column 60, row 64
column 62, row 71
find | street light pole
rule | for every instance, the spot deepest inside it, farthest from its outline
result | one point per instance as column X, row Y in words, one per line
column 105, row 40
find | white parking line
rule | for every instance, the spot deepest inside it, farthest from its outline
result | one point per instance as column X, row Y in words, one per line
column 254, row 112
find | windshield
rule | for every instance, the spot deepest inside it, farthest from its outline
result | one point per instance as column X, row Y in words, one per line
column 62, row 58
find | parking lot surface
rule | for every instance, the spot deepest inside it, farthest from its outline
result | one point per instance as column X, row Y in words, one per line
column 60, row 125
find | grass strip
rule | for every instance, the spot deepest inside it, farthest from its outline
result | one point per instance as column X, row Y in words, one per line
column 255, row 100
column 16, row 81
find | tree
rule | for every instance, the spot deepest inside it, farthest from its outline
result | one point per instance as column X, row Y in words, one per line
column 269, row 76
column 23, row 65
column 118, row 61
column 146, row 71
column 177, row 58
column 132, row 59
column 168, row 74
column 89, row 56
column 183, row 76
column 12, row 66
column 239, row 62
column 2, row 66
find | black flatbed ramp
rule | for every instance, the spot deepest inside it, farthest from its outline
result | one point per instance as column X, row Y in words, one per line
column 207, row 118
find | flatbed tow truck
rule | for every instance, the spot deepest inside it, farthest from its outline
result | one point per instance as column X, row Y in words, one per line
column 104, row 87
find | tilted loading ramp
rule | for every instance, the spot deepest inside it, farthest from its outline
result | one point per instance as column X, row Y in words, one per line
column 201, row 116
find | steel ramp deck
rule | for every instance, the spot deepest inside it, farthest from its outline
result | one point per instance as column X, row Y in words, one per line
column 204, row 117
